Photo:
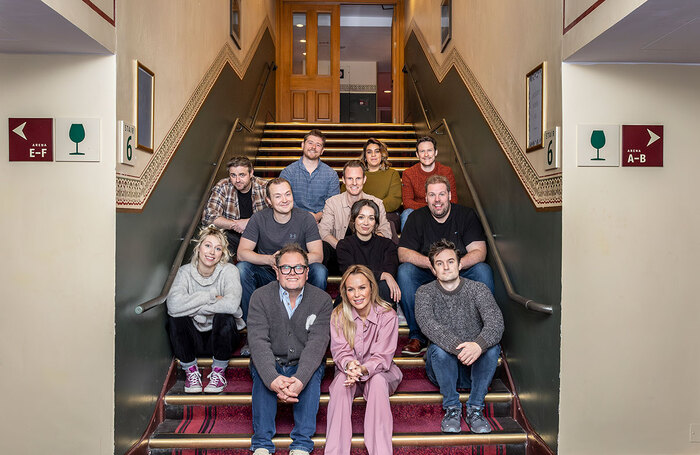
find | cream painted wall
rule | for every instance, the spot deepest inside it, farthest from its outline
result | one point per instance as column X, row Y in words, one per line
column 58, row 231
column 599, row 20
column 177, row 40
column 630, row 342
column 89, row 21
column 501, row 42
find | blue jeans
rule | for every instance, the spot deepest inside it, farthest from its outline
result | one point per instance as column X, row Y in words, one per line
column 264, row 404
column 255, row 276
column 447, row 372
column 404, row 216
column 410, row 278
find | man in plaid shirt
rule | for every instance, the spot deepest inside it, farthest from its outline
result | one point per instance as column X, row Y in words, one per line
column 234, row 200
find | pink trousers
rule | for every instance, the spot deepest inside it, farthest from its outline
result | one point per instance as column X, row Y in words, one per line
column 378, row 424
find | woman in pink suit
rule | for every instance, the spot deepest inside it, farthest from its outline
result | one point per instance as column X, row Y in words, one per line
column 364, row 334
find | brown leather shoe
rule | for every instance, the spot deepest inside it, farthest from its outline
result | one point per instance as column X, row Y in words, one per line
column 414, row 348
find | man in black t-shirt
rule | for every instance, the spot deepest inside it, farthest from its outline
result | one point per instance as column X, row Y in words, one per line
column 234, row 200
column 438, row 220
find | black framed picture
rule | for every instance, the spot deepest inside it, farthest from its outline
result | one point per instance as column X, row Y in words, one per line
column 145, row 94
column 236, row 22
column 445, row 23
column 534, row 82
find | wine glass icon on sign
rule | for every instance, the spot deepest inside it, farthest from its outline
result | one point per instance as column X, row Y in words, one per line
column 598, row 142
column 77, row 135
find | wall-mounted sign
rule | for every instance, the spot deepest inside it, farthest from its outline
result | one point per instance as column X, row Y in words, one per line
column 127, row 144
column 642, row 145
column 551, row 147
column 534, row 83
column 31, row 139
column 77, row 139
column 598, row 145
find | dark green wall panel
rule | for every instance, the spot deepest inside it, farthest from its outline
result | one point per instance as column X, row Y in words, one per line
column 529, row 241
column 147, row 242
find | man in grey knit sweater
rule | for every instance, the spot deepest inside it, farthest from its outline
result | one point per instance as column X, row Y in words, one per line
column 288, row 333
column 464, row 324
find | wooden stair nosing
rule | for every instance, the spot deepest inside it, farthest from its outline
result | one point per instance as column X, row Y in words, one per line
column 340, row 132
column 335, row 168
column 325, row 158
column 236, row 362
column 320, row 126
column 297, row 140
column 188, row 399
column 241, row 441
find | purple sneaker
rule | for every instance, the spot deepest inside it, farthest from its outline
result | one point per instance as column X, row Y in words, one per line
column 193, row 382
column 217, row 381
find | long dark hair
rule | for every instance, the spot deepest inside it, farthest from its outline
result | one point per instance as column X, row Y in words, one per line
column 355, row 210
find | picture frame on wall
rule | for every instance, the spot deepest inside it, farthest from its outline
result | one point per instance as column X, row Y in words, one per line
column 145, row 95
column 445, row 23
column 534, row 88
column 236, row 22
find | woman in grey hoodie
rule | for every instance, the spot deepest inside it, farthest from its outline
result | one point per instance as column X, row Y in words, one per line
column 204, row 310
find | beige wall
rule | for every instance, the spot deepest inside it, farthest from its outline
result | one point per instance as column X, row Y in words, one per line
column 89, row 21
column 630, row 341
column 501, row 42
column 599, row 20
column 58, row 231
column 177, row 40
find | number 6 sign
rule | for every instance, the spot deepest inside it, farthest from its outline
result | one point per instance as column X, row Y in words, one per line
column 127, row 134
column 551, row 146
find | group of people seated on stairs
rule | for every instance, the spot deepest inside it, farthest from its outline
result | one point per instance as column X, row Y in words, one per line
column 285, row 234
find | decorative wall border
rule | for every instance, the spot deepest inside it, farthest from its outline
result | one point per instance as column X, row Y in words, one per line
column 133, row 193
column 545, row 192
column 358, row 88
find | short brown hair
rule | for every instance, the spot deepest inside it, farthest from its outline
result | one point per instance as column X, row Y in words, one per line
column 440, row 246
column 426, row 139
column 317, row 133
column 436, row 178
column 354, row 163
column 291, row 248
column 240, row 161
column 275, row 181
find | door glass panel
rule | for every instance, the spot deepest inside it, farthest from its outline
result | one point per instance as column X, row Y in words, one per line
column 299, row 43
column 324, row 44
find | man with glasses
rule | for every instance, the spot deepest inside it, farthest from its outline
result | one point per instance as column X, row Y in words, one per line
column 271, row 229
column 312, row 180
column 234, row 200
column 288, row 332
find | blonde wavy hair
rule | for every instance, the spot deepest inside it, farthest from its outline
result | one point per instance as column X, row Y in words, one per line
column 385, row 164
column 203, row 233
column 341, row 318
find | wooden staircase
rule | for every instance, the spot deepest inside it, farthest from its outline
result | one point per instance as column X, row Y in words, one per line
column 281, row 144
column 222, row 424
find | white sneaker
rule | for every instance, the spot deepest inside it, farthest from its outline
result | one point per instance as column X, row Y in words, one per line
column 298, row 452
column 193, row 381
column 261, row 451
column 217, row 381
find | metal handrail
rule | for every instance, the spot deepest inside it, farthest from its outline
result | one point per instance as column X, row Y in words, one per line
column 493, row 248
column 406, row 70
column 196, row 219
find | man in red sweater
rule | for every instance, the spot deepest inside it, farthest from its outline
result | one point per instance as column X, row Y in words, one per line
column 413, row 178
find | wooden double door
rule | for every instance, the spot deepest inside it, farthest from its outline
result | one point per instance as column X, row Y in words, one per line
column 309, row 69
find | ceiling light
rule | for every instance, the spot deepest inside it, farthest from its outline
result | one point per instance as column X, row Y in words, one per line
column 300, row 25
column 303, row 53
column 302, row 40
column 387, row 91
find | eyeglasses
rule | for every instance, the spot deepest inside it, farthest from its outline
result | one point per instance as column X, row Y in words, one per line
column 287, row 269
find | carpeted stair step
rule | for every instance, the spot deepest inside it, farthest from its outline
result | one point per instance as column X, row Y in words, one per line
column 485, row 449
column 239, row 381
column 208, row 431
